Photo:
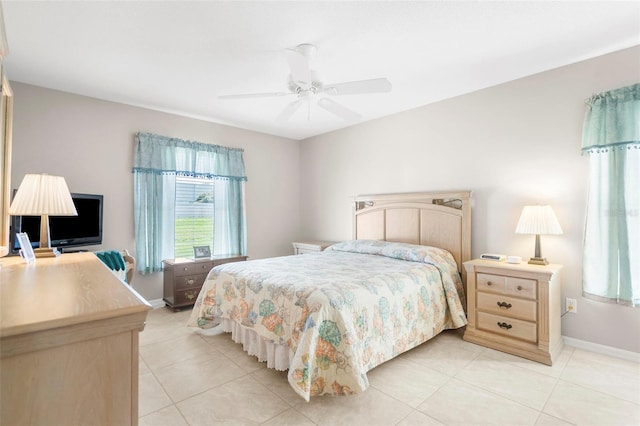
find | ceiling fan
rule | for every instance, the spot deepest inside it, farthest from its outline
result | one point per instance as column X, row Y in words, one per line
column 305, row 84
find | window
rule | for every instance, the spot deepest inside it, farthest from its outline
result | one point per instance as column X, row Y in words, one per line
column 182, row 190
column 193, row 215
column 611, row 138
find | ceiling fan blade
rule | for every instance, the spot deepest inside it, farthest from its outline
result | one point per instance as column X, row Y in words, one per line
column 300, row 71
column 337, row 109
column 376, row 85
column 255, row 95
column 288, row 111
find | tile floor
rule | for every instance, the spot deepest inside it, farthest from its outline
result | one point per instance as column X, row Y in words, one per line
column 188, row 378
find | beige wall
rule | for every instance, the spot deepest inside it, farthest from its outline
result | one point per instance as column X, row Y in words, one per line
column 513, row 144
column 90, row 143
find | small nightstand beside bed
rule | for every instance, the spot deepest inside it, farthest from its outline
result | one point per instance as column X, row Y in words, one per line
column 331, row 316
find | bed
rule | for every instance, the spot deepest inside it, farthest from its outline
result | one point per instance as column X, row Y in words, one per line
column 330, row 317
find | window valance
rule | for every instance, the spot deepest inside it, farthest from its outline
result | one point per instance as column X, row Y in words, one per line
column 611, row 121
column 156, row 154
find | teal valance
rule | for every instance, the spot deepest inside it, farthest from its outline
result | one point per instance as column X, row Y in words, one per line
column 156, row 154
column 612, row 120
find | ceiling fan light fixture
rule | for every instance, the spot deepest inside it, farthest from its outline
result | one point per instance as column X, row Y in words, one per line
column 305, row 84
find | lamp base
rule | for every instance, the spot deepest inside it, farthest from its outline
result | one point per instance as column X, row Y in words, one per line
column 538, row 261
column 46, row 252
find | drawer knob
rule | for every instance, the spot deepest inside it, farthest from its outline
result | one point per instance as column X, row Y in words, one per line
column 191, row 296
column 504, row 325
column 185, row 269
column 190, row 281
column 504, row 305
column 489, row 283
column 519, row 287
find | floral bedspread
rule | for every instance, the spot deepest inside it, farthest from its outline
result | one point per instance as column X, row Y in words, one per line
column 342, row 311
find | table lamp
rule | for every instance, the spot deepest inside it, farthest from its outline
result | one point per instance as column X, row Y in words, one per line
column 538, row 220
column 43, row 195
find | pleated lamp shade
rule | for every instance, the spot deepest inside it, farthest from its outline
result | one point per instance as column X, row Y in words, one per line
column 43, row 195
column 538, row 220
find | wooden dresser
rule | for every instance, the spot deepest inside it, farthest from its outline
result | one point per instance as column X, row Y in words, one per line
column 515, row 308
column 183, row 278
column 69, row 343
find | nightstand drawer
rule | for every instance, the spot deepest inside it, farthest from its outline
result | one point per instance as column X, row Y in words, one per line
column 521, row 287
column 192, row 268
column 185, row 297
column 499, row 284
column 188, row 281
column 507, row 306
column 508, row 326
column 492, row 283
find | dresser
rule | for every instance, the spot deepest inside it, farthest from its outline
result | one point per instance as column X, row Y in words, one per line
column 515, row 308
column 183, row 278
column 69, row 343
column 304, row 247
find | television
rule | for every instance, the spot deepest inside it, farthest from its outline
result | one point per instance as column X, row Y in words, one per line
column 65, row 232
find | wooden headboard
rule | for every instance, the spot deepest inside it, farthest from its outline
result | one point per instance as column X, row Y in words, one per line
column 439, row 219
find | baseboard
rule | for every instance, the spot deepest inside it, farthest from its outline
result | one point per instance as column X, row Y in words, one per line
column 156, row 303
column 602, row 349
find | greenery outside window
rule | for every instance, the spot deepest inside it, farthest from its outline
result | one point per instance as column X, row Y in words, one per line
column 194, row 224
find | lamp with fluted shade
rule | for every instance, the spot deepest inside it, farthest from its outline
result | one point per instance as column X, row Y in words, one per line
column 43, row 195
column 538, row 220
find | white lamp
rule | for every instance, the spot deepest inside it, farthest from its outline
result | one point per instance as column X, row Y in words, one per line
column 538, row 220
column 43, row 195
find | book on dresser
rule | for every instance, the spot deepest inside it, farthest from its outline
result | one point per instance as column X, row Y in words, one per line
column 183, row 278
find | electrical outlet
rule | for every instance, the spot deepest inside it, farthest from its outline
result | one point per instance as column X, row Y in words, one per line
column 572, row 305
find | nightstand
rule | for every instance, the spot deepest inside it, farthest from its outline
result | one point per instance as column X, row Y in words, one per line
column 303, row 247
column 515, row 308
column 183, row 278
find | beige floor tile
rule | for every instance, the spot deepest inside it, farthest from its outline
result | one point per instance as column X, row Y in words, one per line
column 369, row 408
column 277, row 382
column 163, row 324
column 152, row 396
column 249, row 363
column 582, row 406
column 446, row 355
column 185, row 379
column 142, row 366
column 183, row 348
column 408, row 381
column 169, row 416
column 416, row 418
column 243, row 402
column 518, row 384
column 554, row 370
column 215, row 382
column 613, row 376
column 291, row 417
column 458, row 403
column 547, row 420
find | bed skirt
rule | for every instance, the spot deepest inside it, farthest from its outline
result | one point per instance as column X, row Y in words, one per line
column 277, row 356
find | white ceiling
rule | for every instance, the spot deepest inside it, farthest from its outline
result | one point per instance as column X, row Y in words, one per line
column 179, row 56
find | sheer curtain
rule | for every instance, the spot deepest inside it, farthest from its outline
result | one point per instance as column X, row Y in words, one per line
column 611, row 138
column 157, row 162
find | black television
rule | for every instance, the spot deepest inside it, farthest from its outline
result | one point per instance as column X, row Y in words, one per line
column 65, row 232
